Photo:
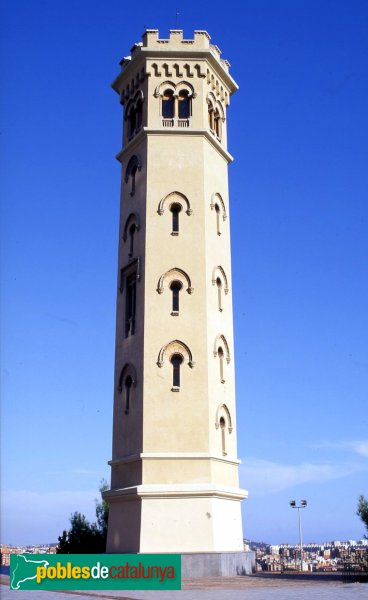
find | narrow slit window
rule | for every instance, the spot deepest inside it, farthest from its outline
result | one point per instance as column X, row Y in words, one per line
column 218, row 215
column 133, row 174
column 176, row 361
column 175, row 210
column 132, row 230
column 221, row 361
column 219, row 293
column 175, row 289
column 127, row 393
column 130, row 304
column 223, row 441
column 168, row 105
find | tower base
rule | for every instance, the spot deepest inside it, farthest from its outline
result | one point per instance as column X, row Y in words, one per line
column 217, row 564
column 198, row 518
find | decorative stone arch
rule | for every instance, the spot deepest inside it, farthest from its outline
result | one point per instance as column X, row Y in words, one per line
column 175, row 274
column 211, row 99
column 128, row 369
column 134, row 161
column 132, row 103
column 162, row 87
column 185, row 85
column 175, row 347
column 133, row 218
column 220, row 108
column 222, row 410
column 216, row 198
column 221, row 341
column 219, row 272
column 173, row 198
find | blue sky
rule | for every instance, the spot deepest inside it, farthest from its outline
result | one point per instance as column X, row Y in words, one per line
column 298, row 187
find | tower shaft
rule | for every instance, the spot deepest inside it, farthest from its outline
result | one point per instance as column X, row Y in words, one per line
column 174, row 485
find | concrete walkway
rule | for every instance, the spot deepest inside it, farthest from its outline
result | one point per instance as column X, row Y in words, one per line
column 237, row 588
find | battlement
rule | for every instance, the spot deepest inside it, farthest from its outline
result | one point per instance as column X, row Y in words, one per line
column 175, row 43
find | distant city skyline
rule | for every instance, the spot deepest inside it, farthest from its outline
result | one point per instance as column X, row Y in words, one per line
column 298, row 130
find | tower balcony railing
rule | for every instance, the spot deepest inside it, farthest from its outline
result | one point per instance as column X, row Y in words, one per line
column 175, row 123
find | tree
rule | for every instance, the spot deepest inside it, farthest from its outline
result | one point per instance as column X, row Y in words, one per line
column 362, row 511
column 84, row 537
column 102, row 510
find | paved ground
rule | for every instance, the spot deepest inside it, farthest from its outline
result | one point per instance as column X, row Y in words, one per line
column 237, row 588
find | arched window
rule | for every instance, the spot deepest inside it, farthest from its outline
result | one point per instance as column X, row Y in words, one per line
column 223, row 433
column 217, row 124
column 133, row 174
column 132, row 230
column 130, row 304
column 218, row 214
column 220, row 353
column 184, row 105
column 176, row 361
column 133, row 166
column 132, row 122
column 219, row 293
column 139, row 114
column 127, row 393
column 211, row 121
column 168, row 104
column 175, row 209
column 175, row 287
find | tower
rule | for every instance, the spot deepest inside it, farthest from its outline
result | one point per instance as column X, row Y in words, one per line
column 174, row 482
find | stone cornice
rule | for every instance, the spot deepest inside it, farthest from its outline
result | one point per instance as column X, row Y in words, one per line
column 174, row 131
column 172, row 456
column 176, row 490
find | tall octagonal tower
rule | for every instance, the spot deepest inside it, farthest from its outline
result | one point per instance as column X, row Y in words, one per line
column 174, row 483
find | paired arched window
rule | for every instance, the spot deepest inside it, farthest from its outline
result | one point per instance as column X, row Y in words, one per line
column 216, row 116
column 176, row 102
column 176, row 361
column 134, row 115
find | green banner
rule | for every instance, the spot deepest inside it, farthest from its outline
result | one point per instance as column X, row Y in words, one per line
column 95, row 571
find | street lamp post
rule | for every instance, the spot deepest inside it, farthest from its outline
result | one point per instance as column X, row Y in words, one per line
column 303, row 504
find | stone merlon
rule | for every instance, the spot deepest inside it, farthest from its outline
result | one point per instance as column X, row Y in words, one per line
column 176, row 47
